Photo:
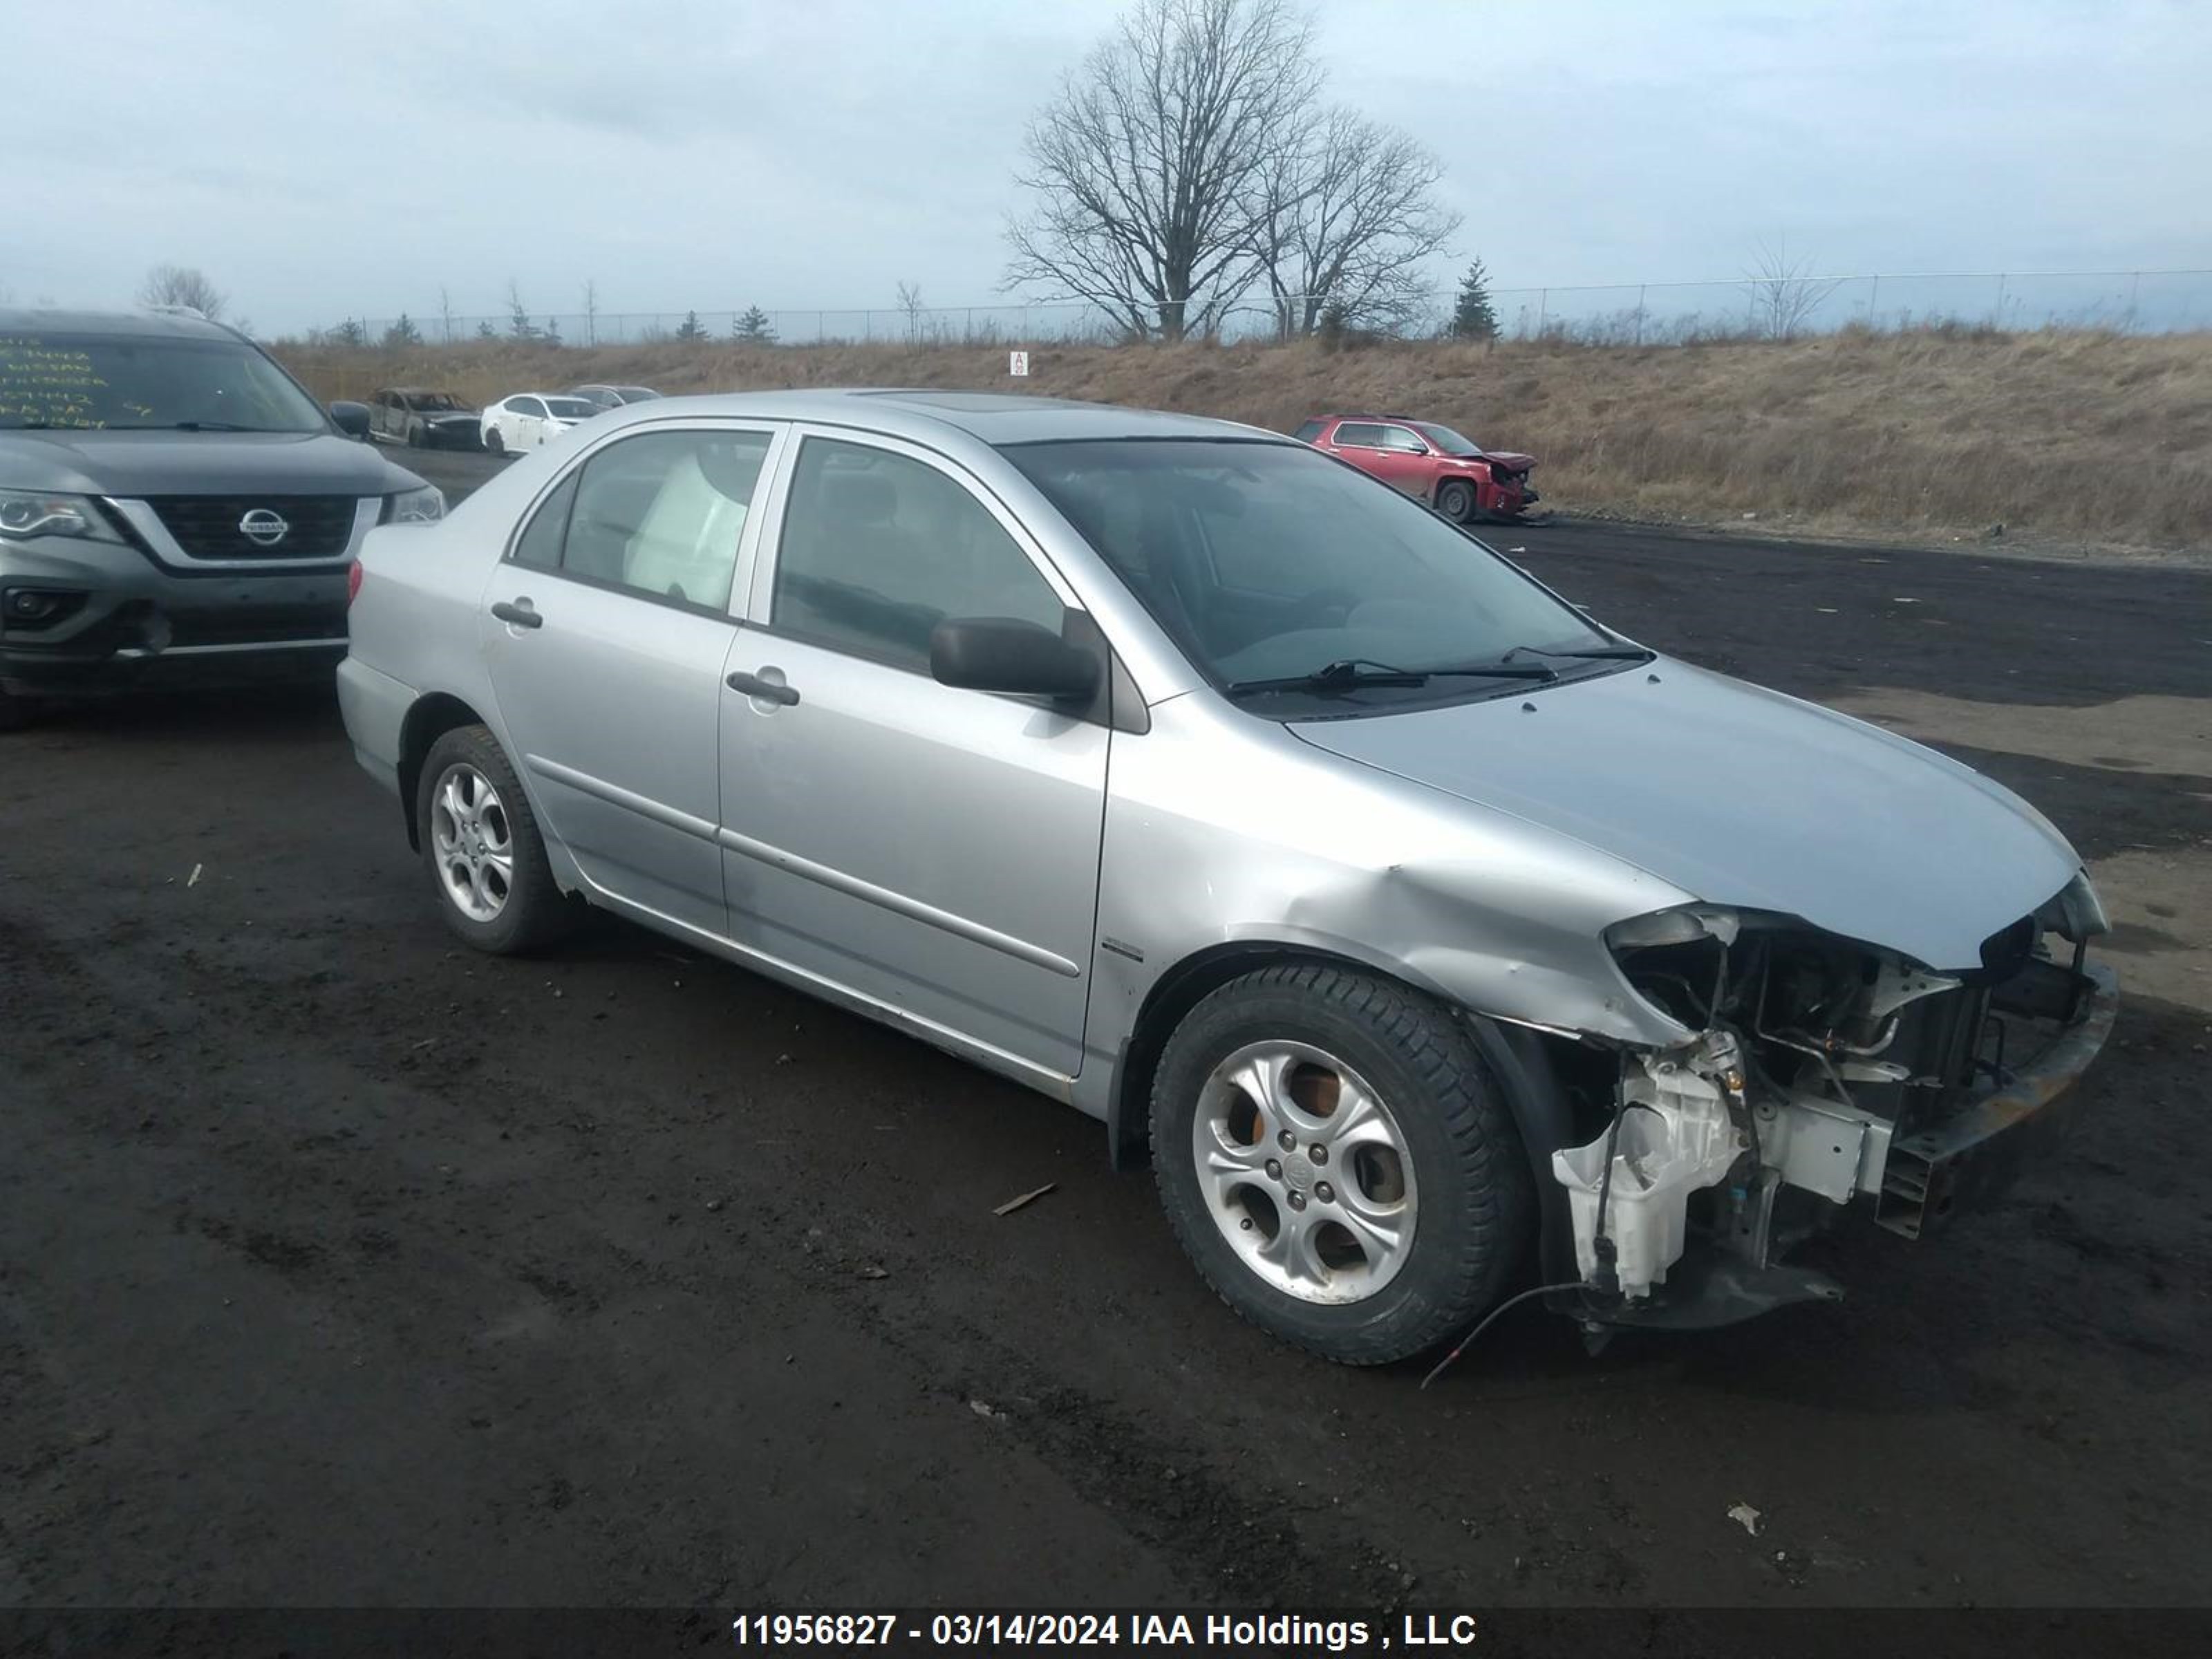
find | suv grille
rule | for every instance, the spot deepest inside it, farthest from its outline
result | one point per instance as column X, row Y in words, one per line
column 207, row 526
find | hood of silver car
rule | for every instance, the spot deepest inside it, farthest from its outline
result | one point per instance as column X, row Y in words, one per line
column 107, row 462
column 1744, row 798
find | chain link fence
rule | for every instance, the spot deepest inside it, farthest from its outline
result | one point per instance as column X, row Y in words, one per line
column 1622, row 314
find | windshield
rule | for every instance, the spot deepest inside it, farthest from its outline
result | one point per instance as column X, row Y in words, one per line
column 1443, row 439
column 1270, row 561
column 434, row 401
column 636, row 394
column 138, row 382
column 570, row 408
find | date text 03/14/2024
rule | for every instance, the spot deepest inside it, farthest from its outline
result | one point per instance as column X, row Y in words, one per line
column 1285, row 1633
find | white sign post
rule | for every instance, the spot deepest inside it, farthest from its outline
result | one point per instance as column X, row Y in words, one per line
column 1017, row 363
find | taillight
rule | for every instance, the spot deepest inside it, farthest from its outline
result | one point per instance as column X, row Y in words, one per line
column 353, row 583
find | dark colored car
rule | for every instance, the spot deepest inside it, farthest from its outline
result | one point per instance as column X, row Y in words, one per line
column 173, row 506
column 604, row 397
column 1430, row 463
column 423, row 419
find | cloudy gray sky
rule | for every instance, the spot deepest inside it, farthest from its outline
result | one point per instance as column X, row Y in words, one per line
column 322, row 160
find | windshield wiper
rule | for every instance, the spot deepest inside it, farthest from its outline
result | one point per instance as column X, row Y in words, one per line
column 1348, row 673
column 193, row 425
column 1624, row 652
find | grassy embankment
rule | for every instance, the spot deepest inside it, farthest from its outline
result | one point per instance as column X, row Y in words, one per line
column 2066, row 436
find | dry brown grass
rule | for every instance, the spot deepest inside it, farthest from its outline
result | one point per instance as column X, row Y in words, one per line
column 2089, row 436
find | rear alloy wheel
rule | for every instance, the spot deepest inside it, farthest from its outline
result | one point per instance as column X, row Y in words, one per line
column 493, row 442
column 1339, row 1163
column 1455, row 500
column 480, row 842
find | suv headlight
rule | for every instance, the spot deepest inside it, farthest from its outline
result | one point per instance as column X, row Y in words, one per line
column 423, row 506
column 27, row 513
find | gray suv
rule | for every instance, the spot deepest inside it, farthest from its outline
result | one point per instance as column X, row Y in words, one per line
column 173, row 506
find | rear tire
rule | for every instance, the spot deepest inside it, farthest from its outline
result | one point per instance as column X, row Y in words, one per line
column 1377, row 1201
column 483, row 849
column 415, row 436
column 1455, row 500
column 493, row 444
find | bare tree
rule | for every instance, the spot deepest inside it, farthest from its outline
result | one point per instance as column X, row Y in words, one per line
column 183, row 285
column 1346, row 216
column 910, row 302
column 1784, row 292
column 591, row 312
column 1145, row 166
column 446, row 313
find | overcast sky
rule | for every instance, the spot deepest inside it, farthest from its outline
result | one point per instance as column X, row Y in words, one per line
column 320, row 161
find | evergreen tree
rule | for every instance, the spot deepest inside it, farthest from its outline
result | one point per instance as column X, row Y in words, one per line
column 753, row 328
column 350, row 332
column 402, row 332
column 690, row 328
column 1473, row 317
column 484, row 329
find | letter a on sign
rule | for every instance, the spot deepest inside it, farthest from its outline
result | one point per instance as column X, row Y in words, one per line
column 1017, row 362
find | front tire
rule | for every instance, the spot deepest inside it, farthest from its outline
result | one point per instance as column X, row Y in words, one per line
column 1339, row 1163
column 493, row 444
column 1455, row 500
column 483, row 849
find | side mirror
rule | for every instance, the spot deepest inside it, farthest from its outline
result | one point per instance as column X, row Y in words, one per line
column 998, row 654
column 352, row 418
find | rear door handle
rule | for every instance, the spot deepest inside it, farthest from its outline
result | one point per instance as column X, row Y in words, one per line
column 754, row 686
column 519, row 613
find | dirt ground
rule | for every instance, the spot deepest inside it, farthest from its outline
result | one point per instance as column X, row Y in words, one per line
column 339, row 1266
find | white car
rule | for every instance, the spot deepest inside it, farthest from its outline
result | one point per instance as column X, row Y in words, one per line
column 529, row 419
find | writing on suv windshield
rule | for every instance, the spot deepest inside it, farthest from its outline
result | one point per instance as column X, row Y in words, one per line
column 1277, row 571
column 138, row 383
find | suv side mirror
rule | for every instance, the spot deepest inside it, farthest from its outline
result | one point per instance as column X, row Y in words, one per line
column 352, row 418
column 999, row 653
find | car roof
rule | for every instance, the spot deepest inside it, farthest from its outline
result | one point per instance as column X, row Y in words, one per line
column 995, row 417
column 137, row 325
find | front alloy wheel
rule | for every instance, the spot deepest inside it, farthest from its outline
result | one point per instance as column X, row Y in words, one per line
column 1307, row 1173
column 1338, row 1162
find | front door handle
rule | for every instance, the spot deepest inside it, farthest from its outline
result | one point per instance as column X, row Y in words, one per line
column 519, row 613
column 754, row 686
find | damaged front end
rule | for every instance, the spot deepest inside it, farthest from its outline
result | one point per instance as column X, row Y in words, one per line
column 1820, row 1075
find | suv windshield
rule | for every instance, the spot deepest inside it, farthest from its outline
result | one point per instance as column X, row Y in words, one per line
column 1444, row 440
column 1270, row 561
column 135, row 382
column 432, row 401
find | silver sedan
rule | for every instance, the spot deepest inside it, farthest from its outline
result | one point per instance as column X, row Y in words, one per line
column 1428, row 938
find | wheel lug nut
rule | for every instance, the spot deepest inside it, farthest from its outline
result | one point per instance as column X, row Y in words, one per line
column 1246, row 1224
column 1274, row 1170
column 1297, row 1201
column 1325, row 1193
column 1287, row 1141
column 1318, row 1153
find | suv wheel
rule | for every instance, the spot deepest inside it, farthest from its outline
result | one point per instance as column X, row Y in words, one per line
column 1338, row 1162
column 1455, row 500
column 481, row 845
